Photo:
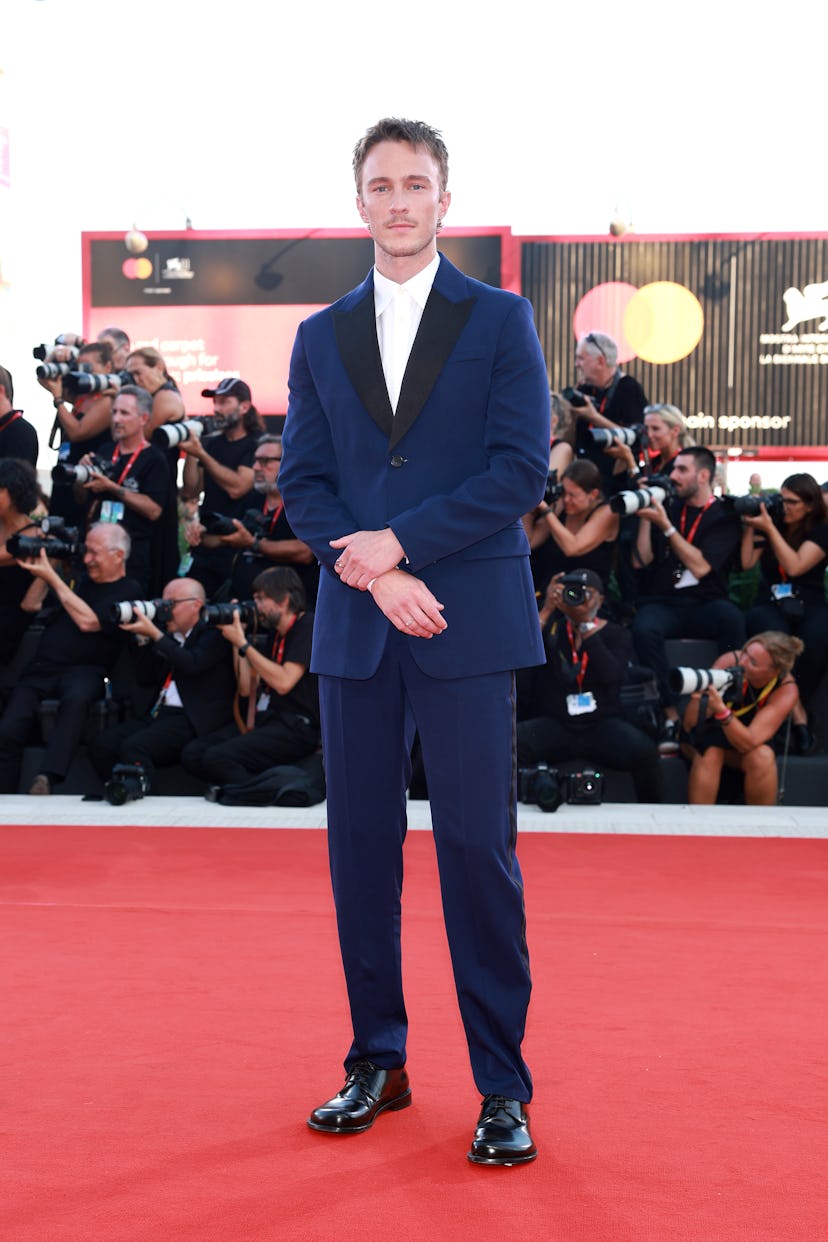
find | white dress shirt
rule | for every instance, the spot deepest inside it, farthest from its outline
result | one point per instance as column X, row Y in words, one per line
column 399, row 309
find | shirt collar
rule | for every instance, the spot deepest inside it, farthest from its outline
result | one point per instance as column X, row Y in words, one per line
column 418, row 287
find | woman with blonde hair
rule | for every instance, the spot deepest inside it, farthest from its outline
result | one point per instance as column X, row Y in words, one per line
column 735, row 727
column 149, row 371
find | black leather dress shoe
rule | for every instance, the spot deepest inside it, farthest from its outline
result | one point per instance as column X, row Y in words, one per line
column 502, row 1135
column 368, row 1091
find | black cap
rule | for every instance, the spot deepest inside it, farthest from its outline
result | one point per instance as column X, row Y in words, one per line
column 229, row 387
column 583, row 577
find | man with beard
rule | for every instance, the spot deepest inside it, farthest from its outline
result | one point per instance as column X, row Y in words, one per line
column 221, row 467
column 265, row 538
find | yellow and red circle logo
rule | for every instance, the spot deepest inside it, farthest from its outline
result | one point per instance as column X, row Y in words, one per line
column 660, row 322
column 137, row 269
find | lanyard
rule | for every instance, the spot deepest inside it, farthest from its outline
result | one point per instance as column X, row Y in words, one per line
column 278, row 652
column 579, row 662
column 277, row 513
column 118, row 454
column 760, row 700
column 10, row 418
column 683, row 519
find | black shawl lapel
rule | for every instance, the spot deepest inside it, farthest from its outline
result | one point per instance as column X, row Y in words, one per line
column 356, row 338
column 440, row 327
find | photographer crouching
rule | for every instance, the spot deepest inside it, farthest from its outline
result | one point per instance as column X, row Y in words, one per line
column 189, row 665
column 732, row 724
column 282, row 723
column 576, row 695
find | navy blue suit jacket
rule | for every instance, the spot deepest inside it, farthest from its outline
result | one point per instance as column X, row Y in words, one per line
column 451, row 473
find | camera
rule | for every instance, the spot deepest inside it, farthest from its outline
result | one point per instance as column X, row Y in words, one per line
column 605, row 437
column 553, row 490
column 575, row 397
column 547, row 787
column 128, row 783
column 223, row 614
column 748, row 506
column 168, row 435
column 57, row 540
column 253, row 520
column 695, row 680
column 70, row 341
column 158, row 610
column 574, row 590
column 659, row 488
column 66, row 472
column 78, row 383
column 53, row 370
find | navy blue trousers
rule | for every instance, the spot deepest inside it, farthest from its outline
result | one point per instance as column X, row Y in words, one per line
column 466, row 727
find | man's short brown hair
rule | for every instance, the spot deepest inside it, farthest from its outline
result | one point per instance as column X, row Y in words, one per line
column 396, row 129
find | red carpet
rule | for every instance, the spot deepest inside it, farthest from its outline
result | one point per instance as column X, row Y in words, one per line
column 173, row 1008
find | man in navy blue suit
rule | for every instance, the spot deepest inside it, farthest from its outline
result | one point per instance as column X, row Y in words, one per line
column 417, row 435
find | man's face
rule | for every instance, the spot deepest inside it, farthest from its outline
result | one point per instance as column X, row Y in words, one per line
column 266, row 467
column 120, row 353
column 590, row 364
column 271, row 611
column 186, row 606
column 685, row 476
column 127, row 421
column 230, row 410
column 400, row 198
column 103, row 563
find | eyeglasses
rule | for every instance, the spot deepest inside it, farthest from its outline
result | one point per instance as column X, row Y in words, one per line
column 795, row 500
column 266, row 459
column 591, row 339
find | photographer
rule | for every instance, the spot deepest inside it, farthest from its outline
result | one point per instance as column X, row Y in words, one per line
column 734, row 728
column 666, row 435
column 84, row 420
column 131, row 485
column 18, row 501
column 584, row 535
column 605, row 397
column 191, row 666
column 790, row 548
column 575, row 701
column 221, row 467
column 283, row 698
column 685, row 548
column 18, row 437
column 77, row 648
column 265, row 538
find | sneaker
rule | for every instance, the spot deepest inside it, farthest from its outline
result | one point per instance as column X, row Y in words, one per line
column 668, row 743
column 41, row 785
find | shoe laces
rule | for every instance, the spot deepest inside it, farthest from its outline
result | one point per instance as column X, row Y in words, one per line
column 493, row 1104
column 361, row 1072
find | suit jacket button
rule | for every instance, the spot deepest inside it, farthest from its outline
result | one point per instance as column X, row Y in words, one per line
column 397, row 461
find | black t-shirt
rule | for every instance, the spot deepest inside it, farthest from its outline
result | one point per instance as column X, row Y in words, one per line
column 248, row 564
column 303, row 699
column 232, row 454
column 18, row 438
column 63, row 644
column 716, row 531
column 810, row 585
column 622, row 403
column 147, row 474
column 549, row 559
column 599, row 668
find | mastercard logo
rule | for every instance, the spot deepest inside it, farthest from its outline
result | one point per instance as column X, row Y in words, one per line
column 137, row 269
column 661, row 322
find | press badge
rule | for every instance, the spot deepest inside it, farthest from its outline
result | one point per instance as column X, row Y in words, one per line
column 684, row 578
column 112, row 511
column 782, row 590
column 580, row 704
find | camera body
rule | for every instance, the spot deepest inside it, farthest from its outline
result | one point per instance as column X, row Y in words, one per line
column 547, row 787
column 748, row 506
column 69, row 341
column 697, row 680
column 65, row 472
column 253, row 520
column 658, row 487
column 574, row 396
column 553, row 490
column 223, row 614
column 574, row 590
column 80, row 383
column 58, row 541
column 158, row 610
column 128, row 783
